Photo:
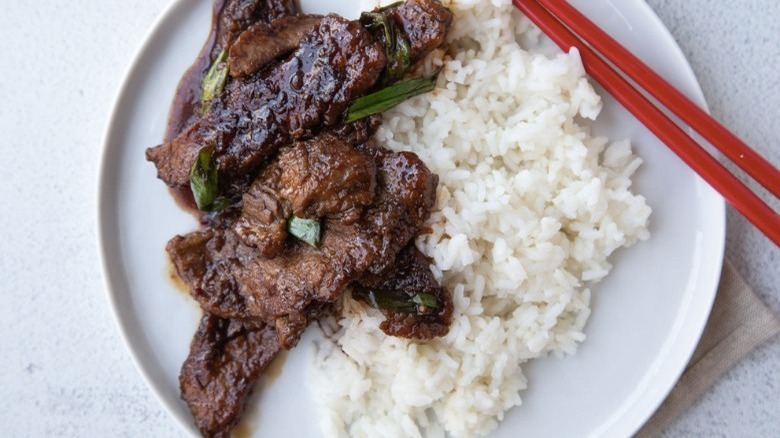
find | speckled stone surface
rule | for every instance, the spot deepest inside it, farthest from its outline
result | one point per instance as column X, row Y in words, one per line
column 63, row 369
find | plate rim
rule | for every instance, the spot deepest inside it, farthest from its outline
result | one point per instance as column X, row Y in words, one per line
column 106, row 149
column 624, row 427
column 693, row 338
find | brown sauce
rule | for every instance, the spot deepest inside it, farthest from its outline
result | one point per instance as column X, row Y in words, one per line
column 186, row 101
column 174, row 278
column 180, row 286
column 250, row 421
column 185, row 200
column 274, row 370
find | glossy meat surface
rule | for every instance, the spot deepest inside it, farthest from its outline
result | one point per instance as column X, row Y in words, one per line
column 425, row 23
column 239, row 15
column 323, row 176
column 234, row 280
column 263, row 43
column 281, row 150
column 230, row 18
column 226, row 358
column 290, row 184
column 411, row 274
column 335, row 63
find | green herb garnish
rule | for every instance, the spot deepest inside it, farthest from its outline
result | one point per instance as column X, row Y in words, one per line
column 214, row 81
column 398, row 301
column 204, row 182
column 389, row 97
column 307, row 230
column 390, row 6
column 427, row 300
column 396, row 46
column 221, row 203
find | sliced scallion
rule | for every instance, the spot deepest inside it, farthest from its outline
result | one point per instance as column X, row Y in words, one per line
column 214, row 81
column 204, row 180
column 307, row 230
column 427, row 300
column 393, row 39
column 390, row 96
column 390, row 6
column 398, row 301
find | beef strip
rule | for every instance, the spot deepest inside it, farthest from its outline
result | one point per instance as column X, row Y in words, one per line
column 263, row 220
column 300, row 273
column 206, row 260
column 425, row 23
column 264, row 42
column 406, row 194
column 239, row 15
column 411, row 274
column 335, row 63
column 234, row 280
column 323, row 176
column 348, row 176
column 230, row 18
column 226, row 358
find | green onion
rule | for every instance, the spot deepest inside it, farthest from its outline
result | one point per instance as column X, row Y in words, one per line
column 204, row 180
column 397, row 47
column 399, row 62
column 377, row 21
column 427, row 300
column 390, row 6
column 307, row 230
column 221, row 203
column 214, row 81
column 389, row 97
column 398, row 301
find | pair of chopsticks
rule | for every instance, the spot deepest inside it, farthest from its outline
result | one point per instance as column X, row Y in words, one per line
column 569, row 28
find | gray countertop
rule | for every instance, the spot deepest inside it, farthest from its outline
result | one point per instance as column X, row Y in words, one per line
column 64, row 370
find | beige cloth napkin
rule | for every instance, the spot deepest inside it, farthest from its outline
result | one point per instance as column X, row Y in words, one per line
column 739, row 322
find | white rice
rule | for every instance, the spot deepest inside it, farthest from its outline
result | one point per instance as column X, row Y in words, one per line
column 528, row 210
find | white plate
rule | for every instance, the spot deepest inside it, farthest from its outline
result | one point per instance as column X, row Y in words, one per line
column 647, row 315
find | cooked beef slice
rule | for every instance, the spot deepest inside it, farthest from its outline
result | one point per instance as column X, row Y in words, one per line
column 262, row 43
column 411, row 274
column 226, row 358
column 405, row 196
column 329, row 174
column 230, row 18
column 425, row 23
column 208, row 260
column 231, row 279
column 335, row 63
column 239, row 15
column 323, row 176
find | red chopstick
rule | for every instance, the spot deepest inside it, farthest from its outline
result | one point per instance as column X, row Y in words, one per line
column 737, row 194
column 735, row 149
